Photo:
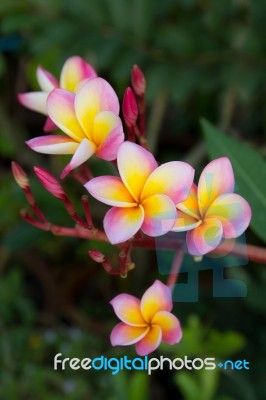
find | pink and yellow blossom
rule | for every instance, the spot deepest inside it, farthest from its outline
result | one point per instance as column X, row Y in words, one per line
column 146, row 322
column 212, row 211
column 75, row 70
column 144, row 196
column 89, row 120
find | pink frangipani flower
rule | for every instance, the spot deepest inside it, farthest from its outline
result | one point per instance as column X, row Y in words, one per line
column 90, row 121
column 144, row 196
column 212, row 211
column 146, row 322
column 75, row 70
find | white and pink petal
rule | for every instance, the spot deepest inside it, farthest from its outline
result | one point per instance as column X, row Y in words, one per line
column 157, row 297
column 127, row 308
column 74, row 71
column 170, row 326
column 173, row 179
column 107, row 134
column 110, row 190
column 49, row 125
column 35, row 101
column 135, row 164
column 94, row 96
column 205, row 237
column 216, row 179
column 121, row 224
column 233, row 211
column 60, row 107
column 190, row 205
column 125, row 335
column 83, row 152
column 150, row 341
column 46, row 80
column 53, row 144
column 185, row 222
column 160, row 215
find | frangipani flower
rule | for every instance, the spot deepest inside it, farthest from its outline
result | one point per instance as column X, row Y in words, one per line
column 74, row 71
column 146, row 322
column 144, row 196
column 90, row 121
column 212, row 211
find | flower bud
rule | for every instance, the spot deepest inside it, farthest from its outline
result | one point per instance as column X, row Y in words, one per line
column 20, row 176
column 96, row 256
column 130, row 108
column 50, row 183
column 138, row 80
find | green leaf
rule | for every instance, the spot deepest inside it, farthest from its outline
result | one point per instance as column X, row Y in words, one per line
column 188, row 385
column 225, row 344
column 139, row 384
column 250, row 172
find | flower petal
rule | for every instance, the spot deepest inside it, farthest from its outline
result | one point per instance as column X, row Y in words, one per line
column 49, row 125
column 185, row 222
column 109, row 148
column 103, row 124
column 46, row 80
column 159, row 215
column 170, row 326
column 60, row 106
column 107, row 134
column 124, row 335
column 94, row 96
column 53, row 144
column 205, row 237
column 234, row 213
column 157, row 297
column 190, row 205
column 74, row 71
column 84, row 151
column 110, row 190
column 127, row 308
column 120, row 224
column 216, row 179
column 173, row 179
column 135, row 164
column 35, row 101
column 150, row 341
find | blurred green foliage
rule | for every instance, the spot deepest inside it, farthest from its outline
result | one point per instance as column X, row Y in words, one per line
column 201, row 58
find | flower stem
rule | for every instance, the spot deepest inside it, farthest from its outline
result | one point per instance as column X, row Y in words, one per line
column 175, row 269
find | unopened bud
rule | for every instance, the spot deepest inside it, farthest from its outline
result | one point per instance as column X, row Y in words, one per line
column 130, row 108
column 50, row 183
column 138, row 80
column 97, row 256
column 20, row 176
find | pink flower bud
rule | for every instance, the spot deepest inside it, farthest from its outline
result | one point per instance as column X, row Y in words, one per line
column 96, row 256
column 130, row 108
column 138, row 80
column 20, row 176
column 50, row 183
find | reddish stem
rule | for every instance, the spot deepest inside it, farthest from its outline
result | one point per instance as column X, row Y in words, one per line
column 172, row 279
column 32, row 202
column 73, row 214
column 87, row 212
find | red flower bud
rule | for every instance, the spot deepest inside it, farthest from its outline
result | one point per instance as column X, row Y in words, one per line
column 138, row 80
column 50, row 183
column 20, row 176
column 96, row 256
column 130, row 108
